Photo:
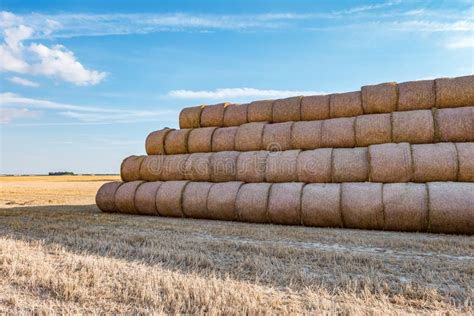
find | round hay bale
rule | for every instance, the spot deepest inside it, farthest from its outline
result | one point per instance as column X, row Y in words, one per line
column 235, row 114
column 320, row 205
column 306, row 135
column 130, row 168
column 380, row 98
column 390, row 163
column 198, row 167
column 455, row 92
column 416, row 95
column 190, row 117
column 145, row 198
column 346, row 104
column 284, row 203
column 373, row 129
column 223, row 139
column 155, row 141
column 249, row 137
column 251, row 166
column 195, row 199
column 200, row 140
column 176, row 142
column 174, row 167
column 314, row 166
column 466, row 161
column 285, row 110
column 277, row 137
column 125, row 197
column 455, row 125
column 221, row 201
column 252, row 202
column 105, row 197
column 414, row 127
column 362, row 206
column 338, row 132
column 315, row 107
column 405, row 207
column 213, row 115
column 169, row 198
column 224, row 166
column 260, row 111
column 451, row 207
column 282, row 166
column 350, row 165
column 434, row 162
column 151, row 168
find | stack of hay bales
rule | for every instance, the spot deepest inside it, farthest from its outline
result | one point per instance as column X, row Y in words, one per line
column 388, row 157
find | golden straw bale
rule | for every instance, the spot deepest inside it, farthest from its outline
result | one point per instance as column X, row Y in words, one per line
column 346, row 104
column 414, row 127
column 362, row 205
column 176, row 142
column 221, row 201
column 320, row 205
column 416, row 95
column 466, row 161
column 390, row 162
column 277, row 137
column 455, row 92
column 223, row 139
column 213, row 115
column 282, row 166
column 195, row 199
column 198, row 167
column 434, row 162
column 174, row 167
column 373, row 129
column 152, row 167
column 105, row 197
column 224, row 166
column 190, row 117
column 200, row 140
column 252, row 202
column 130, row 168
column 315, row 107
column 169, row 198
column 455, row 125
column 350, row 165
column 235, row 114
column 249, row 137
column 380, row 98
column 145, row 198
column 260, row 111
column 306, row 135
column 155, row 141
column 251, row 166
column 338, row 132
column 314, row 166
column 284, row 205
column 285, row 110
column 125, row 197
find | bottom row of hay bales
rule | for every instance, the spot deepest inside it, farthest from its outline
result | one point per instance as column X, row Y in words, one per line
column 445, row 207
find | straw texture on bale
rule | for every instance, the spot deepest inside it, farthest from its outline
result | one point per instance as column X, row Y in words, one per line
column 284, row 205
column 306, row 135
column 223, row 139
column 288, row 109
column 198, row 167
column 260, row 111
column 434, row 162
column 145, row 198
column 405, row 206
column 169, row 198
column 105, row 197
column 130, row 168
column 380, row 98
column 451, row 207
column 466, row 161
column 346, row 104
column 224, row 166
column 315, row 107
column 252, row 202
column 362, row 206
column 221, row 200
column 125, row 197
column 390, row 163
column 176, row 142
column 415, row 127
column 174, row 167
column 277, row 136
column 416, row 95
column 455, row 92
column 152, row 167
column 190, row 117
column 155, row 142
column 213, row 115
column 200, row 140
column 320, row 205
column 455, row 125
column 235, row 114
column 251, row 166
column 195, row 199
column 249, row 137
column 338, row 132
column 314, row 166
column 350, row 165
column 282, row 166
column 373, row 129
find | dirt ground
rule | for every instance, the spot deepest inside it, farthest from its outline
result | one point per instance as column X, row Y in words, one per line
column 59, row 253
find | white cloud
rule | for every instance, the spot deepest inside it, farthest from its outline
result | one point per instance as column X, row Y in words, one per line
column 461, row 42
column 23, row 82
column 9, row 114
column 230, row 93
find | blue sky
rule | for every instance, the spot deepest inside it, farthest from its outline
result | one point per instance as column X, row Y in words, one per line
column 83, row 82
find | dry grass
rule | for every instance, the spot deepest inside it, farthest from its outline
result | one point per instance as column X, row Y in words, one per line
column 71, row 258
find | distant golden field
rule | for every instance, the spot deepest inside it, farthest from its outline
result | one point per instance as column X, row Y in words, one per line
column 60, row 254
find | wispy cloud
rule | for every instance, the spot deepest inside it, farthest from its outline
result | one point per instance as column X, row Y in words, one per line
column 236, row 93
column 461, row 42
column 7, row 115
column 23, row 82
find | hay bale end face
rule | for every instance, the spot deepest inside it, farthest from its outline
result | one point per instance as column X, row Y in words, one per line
column 190, row 117
column 130, row 168
column 249, row 137
column 169, row 198
column 338, row 132
column 320, row 205
column 174, row 167
column 155, row 142
column 350, row 165
column 195, row 199
column 251, row 166
column 213, row 115
column 200, row 140
column 416, row 95
column 390, row 163
column 434, row 162
column 380, row 98
column 145, row 198
column 198, row 167
column 362, row 205
column 235, row 114
column 282, row 166
column 405, row 206
column 152, row 167
column 455, row 125
column 105, row 197
column 314, row 166
column 260, row 111
column 315, row 107
column 285, row 110
column 221, row 201
column 176, row 142
column 306, row 135
column 414, row 127
column 451, row 207
column 125, row 197
column 373, row 129
column 346, row 104
column 454, row 92
column 223, row 139
column 284, row 205
column 277, row 137
column 224, row 166
column 252, row 202
column 466, row 161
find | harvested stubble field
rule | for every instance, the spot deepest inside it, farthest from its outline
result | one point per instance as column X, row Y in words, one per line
column 59, row 253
